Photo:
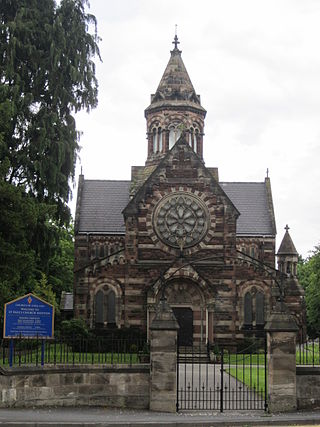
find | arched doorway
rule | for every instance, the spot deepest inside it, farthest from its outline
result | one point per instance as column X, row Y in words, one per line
column 184, row 316
column 186, row 300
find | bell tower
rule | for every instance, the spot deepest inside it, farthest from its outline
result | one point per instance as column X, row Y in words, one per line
column 174, row 108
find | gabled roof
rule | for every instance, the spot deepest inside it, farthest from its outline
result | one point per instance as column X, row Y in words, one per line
column 179, row 154
column 102, row 203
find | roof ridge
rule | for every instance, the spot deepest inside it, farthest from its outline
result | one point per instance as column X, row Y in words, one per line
column 242, row 182
column 108, row 180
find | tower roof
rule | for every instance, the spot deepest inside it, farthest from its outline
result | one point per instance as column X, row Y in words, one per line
column 175, row 87
column 287, row 247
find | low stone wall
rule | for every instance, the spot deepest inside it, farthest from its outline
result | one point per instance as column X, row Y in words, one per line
column 120, row 386
column 308, row 387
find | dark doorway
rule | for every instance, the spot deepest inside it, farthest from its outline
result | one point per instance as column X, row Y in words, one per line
column 184, row 317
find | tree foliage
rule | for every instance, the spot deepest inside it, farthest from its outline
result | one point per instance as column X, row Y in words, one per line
column 47, row 74
column 309, row 277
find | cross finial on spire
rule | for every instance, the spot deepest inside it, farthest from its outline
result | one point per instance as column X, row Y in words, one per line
column 287, row 228
column 267, row 172
column 175, row 40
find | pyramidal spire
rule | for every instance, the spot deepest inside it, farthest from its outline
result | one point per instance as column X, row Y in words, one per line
column 175, row 84
column 287, row 247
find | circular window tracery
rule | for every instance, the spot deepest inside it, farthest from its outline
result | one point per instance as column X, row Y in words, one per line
column 181, row 220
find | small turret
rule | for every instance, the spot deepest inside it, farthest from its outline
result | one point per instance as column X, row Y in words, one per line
column 287, row 255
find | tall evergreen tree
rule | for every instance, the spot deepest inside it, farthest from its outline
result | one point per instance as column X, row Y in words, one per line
column 47, row 74
column 309, row 277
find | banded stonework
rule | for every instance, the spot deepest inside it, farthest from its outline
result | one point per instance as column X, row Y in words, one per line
column 212, row 253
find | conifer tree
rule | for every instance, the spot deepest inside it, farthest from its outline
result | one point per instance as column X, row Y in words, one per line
column 47, row 74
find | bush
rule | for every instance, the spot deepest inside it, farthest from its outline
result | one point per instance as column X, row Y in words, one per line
column 74, row 328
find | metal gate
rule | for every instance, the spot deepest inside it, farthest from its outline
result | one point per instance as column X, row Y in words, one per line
column 212, row 378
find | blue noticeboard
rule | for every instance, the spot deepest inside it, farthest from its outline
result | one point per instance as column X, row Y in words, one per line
column 28, row 316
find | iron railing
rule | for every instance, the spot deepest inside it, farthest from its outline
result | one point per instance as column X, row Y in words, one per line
column 72, row 351
column 221, row 379
column 308, row 352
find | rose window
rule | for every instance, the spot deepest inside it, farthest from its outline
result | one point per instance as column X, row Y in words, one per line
column 180, row 220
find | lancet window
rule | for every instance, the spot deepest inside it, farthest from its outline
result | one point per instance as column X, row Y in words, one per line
column 193, row 138
column 105, row 307
column 157, row 138
column 253, row 310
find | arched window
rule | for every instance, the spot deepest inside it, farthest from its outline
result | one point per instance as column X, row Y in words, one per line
column 289, row 271
column 248, row 309
column 253, row 309
column 99, row 318
column 111, row 308
column 157, row 140
column 193, row 137
column 259, row 309
column 105, row 307
column 154, row 140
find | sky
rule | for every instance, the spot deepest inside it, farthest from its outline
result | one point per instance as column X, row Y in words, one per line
column 256, row 65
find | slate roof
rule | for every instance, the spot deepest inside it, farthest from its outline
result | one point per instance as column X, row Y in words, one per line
column 250, row 198
column 102, row 203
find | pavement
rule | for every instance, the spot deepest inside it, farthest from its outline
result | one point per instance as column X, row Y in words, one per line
column 103, row 417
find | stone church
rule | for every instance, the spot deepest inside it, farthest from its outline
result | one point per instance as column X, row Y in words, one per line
column 176, row 230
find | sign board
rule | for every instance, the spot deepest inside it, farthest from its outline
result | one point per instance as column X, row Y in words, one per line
column 28, row 317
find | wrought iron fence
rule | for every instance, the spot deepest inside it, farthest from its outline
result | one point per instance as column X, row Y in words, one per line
column 308, row 351
column 72, row 351
column 222, row 379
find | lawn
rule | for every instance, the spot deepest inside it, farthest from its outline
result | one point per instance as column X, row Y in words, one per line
column 253, row 377
column 63, row 354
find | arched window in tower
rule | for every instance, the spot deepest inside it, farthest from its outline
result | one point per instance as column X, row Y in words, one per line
column 154, row 140
column 157, row 140
column 174, row 135
column 191, row 138
column 289, row 270
column 196, row 139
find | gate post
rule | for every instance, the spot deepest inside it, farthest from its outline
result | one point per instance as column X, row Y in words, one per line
column 281, row 331
column 163, row 359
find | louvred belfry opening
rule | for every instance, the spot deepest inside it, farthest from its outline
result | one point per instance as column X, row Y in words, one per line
column 175, row 108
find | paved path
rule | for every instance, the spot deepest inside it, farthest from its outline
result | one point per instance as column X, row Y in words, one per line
column 200, row 388
column 85, row 417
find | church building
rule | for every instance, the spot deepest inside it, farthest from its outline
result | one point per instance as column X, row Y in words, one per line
column 176, row 231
